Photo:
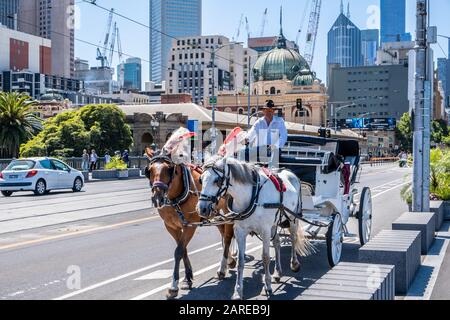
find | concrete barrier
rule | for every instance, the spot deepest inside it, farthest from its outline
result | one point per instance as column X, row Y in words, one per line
column 104, row 174
column 395, row 247
column 134, row 172
column 425, row 222
column 354, row 281
column 438, row 207
column 447, row 210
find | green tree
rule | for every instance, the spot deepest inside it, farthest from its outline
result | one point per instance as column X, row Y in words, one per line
column 107, row 126
column 103, row 128
column 439, row 131
column 404, row 132
column 18, row 123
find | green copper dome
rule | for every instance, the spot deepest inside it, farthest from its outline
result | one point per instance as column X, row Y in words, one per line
column 304, row 78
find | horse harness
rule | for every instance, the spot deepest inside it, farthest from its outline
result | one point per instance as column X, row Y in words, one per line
column 254, row 203
column 188, row 181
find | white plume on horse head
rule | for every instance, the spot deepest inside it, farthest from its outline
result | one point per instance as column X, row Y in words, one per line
column 233, row 143
column 178, row 147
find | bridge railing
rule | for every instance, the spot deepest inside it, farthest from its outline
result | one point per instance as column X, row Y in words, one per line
column 373, row 162
column 76, row 162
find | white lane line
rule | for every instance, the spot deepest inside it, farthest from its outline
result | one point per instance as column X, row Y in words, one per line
column 391, row 189
column 106, row 282
column 167, row 285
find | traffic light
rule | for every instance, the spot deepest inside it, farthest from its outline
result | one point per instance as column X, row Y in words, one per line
column 300, row 104
column 324, row 133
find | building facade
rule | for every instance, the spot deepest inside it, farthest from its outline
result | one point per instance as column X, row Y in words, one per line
column 284, row 76
column 54, row 20
column 345, row 43
column 265, row 44
column 393, row 21
column 371, row 97
column 8, row 13
column 97, row 80
column 20, row 51
column 444, row 77
column 370, row 40
column 395, row 52
column 132, row 79
column 170, row 19
column 191, row 69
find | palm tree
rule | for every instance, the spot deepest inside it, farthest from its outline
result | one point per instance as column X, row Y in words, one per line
column 18, row 124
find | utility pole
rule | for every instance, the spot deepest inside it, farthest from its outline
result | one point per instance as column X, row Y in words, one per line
column 249, row 88
column 421, row 114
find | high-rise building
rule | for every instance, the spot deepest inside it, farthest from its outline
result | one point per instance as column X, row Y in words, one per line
column 344, row 43
column 170, row 19
column 52, row 19
column 393, row 21
column 443, row 75
column 132, row 74
column 370, row 44
column 265, row 44
column 8, row 12
column 191, row 69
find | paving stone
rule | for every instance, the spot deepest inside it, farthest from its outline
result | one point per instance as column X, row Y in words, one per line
column 420, row 221
column 405, row 256
column 354, row 281
column 437, row 207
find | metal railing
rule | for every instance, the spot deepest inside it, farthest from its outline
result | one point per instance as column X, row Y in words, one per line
column 76, row 163
column 373, row 162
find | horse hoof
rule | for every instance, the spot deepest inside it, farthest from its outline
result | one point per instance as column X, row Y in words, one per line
column 277, row 279
column 220, row 276
column 295, row 267
column 186, row 285
column 268, row 293
column 236, row 297
column 232, row 264
column 172, row 294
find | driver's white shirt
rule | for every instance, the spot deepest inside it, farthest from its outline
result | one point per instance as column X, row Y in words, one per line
column 263, row 134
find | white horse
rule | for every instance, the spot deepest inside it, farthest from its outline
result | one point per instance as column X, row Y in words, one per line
column 248, row 185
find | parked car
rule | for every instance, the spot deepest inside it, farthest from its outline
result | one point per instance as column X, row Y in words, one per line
column 40, row 175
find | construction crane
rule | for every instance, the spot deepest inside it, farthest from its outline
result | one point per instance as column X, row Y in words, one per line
column 101, row 54
column 121, row 66
column 313, row 27
column 238, row 32
column 448, row 38
column 113, row 43
column 264, row 22
column 247, row 26
column 302, row 23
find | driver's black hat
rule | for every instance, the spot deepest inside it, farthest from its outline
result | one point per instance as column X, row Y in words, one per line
column 269, row 105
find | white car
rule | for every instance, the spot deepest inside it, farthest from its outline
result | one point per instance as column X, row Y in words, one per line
column 40, row 175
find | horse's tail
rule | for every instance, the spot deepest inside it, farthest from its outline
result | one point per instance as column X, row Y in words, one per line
column 303, row 245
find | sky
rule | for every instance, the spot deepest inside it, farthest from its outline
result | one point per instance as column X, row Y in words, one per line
column 222, row 18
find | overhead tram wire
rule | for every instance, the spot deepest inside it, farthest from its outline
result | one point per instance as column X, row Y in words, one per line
column 92, row 2
column 88, row 42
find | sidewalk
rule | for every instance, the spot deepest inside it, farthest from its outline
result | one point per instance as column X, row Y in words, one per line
column 442, row 289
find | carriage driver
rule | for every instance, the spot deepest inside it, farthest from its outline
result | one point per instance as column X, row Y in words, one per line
column 268, row 133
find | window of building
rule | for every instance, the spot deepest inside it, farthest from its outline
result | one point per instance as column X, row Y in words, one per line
column 272, row 90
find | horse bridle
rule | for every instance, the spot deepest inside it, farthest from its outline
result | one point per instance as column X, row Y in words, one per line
column 223, row 182
column 159, row 184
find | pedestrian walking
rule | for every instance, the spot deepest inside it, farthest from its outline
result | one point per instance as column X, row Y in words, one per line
column 85, row 161
column 126, row 158
column 94, row 159
column 107, row 158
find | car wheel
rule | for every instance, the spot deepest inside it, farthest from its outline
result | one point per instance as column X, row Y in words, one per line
column 41, row 188
column 77, row 185
column 7, row 193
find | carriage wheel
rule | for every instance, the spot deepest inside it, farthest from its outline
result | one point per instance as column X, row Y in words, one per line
column 365, row 216
column 335, row 239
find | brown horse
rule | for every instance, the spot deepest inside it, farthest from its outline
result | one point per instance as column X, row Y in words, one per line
column 175, row 193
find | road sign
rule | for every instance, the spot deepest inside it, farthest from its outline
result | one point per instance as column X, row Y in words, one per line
column 213, row 100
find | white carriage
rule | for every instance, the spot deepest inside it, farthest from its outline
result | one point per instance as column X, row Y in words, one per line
column 329, row 170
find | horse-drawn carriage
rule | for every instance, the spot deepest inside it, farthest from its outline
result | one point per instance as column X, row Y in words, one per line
column 329, row 170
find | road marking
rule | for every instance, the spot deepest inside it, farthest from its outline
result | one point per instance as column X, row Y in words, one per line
column 132, row 273
column 75, row 233
column 157, row 275
column 386, row 191
column 167, row 285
